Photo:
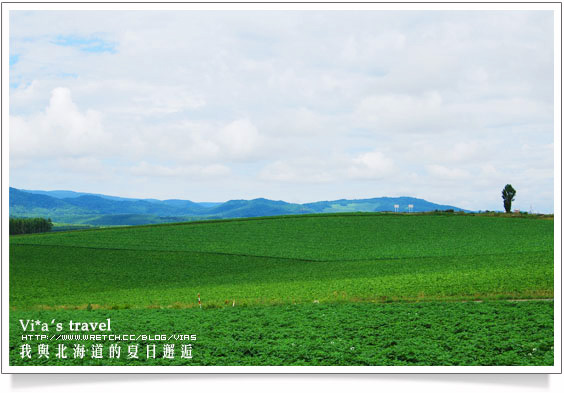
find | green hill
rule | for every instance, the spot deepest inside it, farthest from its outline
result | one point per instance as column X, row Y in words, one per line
column 326, row 289
column 469, row 256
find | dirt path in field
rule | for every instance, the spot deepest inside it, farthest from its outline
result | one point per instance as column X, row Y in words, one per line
column 195, row 305
column 531, row 300
column 504, row 300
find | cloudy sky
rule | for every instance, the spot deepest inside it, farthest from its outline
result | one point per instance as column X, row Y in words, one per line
column 301, row 106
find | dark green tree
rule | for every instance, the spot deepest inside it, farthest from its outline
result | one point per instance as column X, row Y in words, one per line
column 20, row 226
column 508, row 195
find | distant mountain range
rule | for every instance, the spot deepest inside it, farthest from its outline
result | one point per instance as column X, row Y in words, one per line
column 100, row 210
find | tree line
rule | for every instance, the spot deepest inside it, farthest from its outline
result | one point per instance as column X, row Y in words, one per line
column 20, row 226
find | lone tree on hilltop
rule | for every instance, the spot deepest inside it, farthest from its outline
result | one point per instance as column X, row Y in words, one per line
column 508, row 195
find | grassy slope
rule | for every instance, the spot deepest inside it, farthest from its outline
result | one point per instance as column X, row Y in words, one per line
column 48, row 276
column 299, row 259
column 339, row 260
column 330, row 237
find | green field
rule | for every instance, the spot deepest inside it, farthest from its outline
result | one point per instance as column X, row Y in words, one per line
column 399, row 289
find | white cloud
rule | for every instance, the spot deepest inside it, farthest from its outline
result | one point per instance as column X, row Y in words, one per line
column 301, row 170
column 398, row 112
column 433, row 101
column 24, row 95
column 360, row 50
column 371, row 165
column 152, row 100
column 83, row 165
column 240, row 139
column 61, row 130
column 446, row 151
column 442, row 172
column 365, row 166
column 191, row 171
column 203, row 141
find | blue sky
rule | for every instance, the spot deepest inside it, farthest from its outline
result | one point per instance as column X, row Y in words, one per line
column 91, row 44
column 448, row 106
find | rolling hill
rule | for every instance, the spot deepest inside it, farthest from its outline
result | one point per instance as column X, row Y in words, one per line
column 322, row 289
column 102, row 210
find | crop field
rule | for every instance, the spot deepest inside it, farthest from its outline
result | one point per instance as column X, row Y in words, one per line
column 336, row 289
column 332, row 334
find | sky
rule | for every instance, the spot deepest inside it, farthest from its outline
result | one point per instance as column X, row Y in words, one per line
column 301, row 106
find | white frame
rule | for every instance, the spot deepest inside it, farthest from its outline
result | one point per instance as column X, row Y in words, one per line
column 557, row 368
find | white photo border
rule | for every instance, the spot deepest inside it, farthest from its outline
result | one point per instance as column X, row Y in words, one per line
column 556, row 7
